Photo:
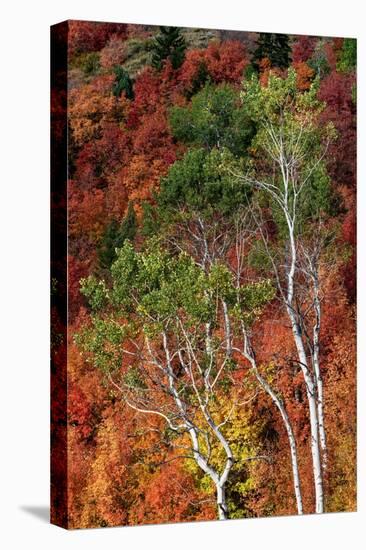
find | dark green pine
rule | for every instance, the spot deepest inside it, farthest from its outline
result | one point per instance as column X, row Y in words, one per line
column 169, row 44
column 122, row 83
column 115, row 235
column 275, row 47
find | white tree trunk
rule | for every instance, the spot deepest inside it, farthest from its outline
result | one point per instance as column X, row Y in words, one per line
column 319, row 380
column 201, row 460
column 310, row 382
column 311, row 391
column 288, row 155
column 323, row 440
column 292, row 444
column 290, row 434
column 221, row 502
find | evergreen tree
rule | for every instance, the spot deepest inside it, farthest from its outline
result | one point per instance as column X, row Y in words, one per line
column 122, row 83
column 202, row 181
column 129, row 225
column 168, row 44
column 115, row 235
column 150, row 222
column 275, row 47
column 106, row 251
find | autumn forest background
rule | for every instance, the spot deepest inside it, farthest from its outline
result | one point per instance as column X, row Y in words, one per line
column 211, row 268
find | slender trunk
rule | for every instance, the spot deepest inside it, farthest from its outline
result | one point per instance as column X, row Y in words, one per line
column 290, row 434
column 220, row 485
column 323, row 440
column 208, row 339
column 320, row 410
column 227, row 328
column 294, row 463
column 310, row 383
column 313, row 414
column 219, row 482
column 319, row 380
column 221, row 502
column 292, row 444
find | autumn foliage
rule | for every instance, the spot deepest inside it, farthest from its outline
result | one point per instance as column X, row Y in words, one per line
column 120, row 471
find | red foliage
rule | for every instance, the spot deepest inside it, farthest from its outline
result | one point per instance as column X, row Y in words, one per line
column 223, row 62
column 99, row 158
column 89, row 36
column 76, row 270
column 121, row 149
column 153, row 137
column 171, row 496
column 226, row 61
column 194, row 63
column 303, row 48
column 336, row 90
column 114, row 53
column 86, row 212
column 147, row 96
column 79, row 411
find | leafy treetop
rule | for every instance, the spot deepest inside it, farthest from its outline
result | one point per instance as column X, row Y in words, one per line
column 154, row 291
column 214, row 118
column 201, row 181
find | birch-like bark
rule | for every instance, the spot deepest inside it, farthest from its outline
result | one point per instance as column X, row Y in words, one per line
column 220, row 485
column 291, row 438
column 313, row 413
column 221, row 501
column 310, row 383
column 219, row 480
column 286, row 199
column 319, row 380
column 247, row 354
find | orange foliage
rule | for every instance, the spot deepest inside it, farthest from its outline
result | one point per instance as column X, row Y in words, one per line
column 107, row 479
column 135, row 181
column 304, row 75
column 226, row 61
column 86, row 212
column 120, row 150
column 92, row 105
column 171, row 496
column 265, row 69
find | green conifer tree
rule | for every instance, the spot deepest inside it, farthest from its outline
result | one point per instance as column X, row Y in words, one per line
column 129, row 226
column 122, row 83
column 115, row 235
column 168, row 44
column 275, row 47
